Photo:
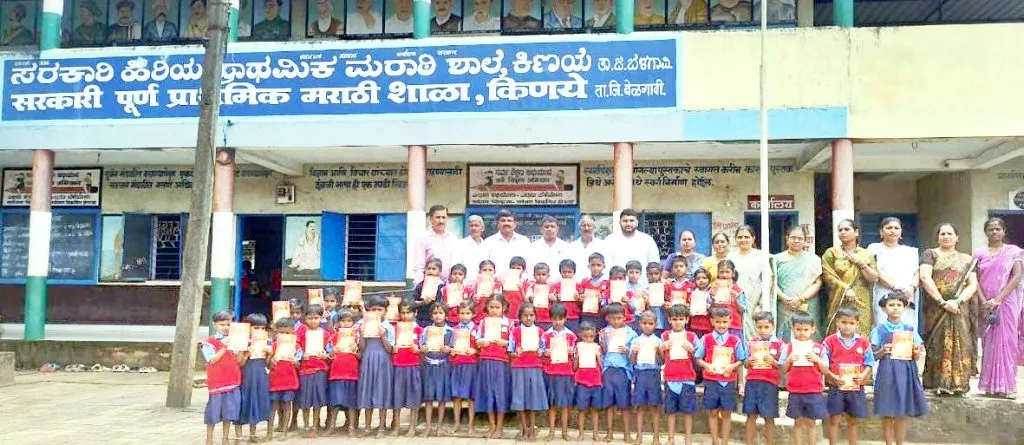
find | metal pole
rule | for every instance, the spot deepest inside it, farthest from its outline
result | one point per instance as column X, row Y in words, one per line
column 190, row 301
column 767, row 300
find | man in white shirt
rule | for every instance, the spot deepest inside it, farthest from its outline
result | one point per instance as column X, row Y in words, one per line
column 549, row 249
column 436, row 242
column 587, row 244
column 401, row 21
column 471, row 250
column 505, row 244
column 630, row 244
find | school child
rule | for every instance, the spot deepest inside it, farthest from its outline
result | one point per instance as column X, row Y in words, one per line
column 493, row 377
column 617, row 371
column 464, row 364
column 761, row 393
column 420, row 304
column 805, row 369
column 255, row 407
column 376, row 374
column 850, row 362
column 594, row 289
column 527, row 391
column 542, row 309
column 589, row 389
column 483, row 289
column 679, row 288
column 636, row 293
column 898, row 390
column 680, row 376
column 720, row 375
column 330, row 309
column 223, row 379
column 284, row 381
column 455, row 292
column 408, row 392
column 567, row 271
column 514, row 293
column 655, row 275
column 298, row 312
column 647, row 369
column 343, row 389
column 737, row 301
column 701, row 324
column 618, row 273
column 313, row 369
column 437, row 382
column 558, row 371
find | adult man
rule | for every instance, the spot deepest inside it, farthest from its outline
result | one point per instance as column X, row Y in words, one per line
column 505, row 244
column 549, row 249
column 587, row 244
column 519, row 18
column 604, row 16
column 366, row 19
column 401, row 21
column 436, row 242
column 444, row 20
column 481, row 19
column 471, row 250
column 90, row 30
column 630, row 244
column 687, row 244
column 325, row 24
column 126, row 27
column 560, row 16
column 159, row 29
column 273, row 27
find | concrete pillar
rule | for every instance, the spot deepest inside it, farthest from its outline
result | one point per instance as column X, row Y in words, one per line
column 842, row 13
column 624, row 10
column 222, row 243
column 842, row 184
column 804, row 13
column 50, row 25
column 622, row 176
column 233, row 23
column 416, row 216
column 38, row 245
column 421, row 19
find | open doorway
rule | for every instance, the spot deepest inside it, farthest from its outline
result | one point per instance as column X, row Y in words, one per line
column 1014, row 226
column 260, row 243
column 778, row 222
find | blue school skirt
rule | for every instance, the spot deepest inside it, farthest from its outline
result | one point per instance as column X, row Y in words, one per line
column 464, row 381
column 255, row 406
column 492, row 384
column 284, row 396
column 408, row 392
column 376, row 376
column 560, row 390
column 528, row 391
column 223, row 407
column 437, row 380
column 313, row 390
column 898, row 390
column 343, row 394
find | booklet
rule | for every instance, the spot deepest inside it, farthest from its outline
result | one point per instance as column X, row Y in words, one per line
column 617, row 291
column 759, row 353
column 238, row 337
column 647, row 353
column 391, row 313
column 567, row 290
column 406, row 335
column 314, row 343
column 435, row 338
column 430, row 284
column 315, row 296
column 454, row 295
column 721, row 359
column 285, row 347
column 353, row 293
column 371, row 325
column 462, row 341
column 588, row 353
column 541, row 293
column 530, row 338
column 492, row 329
column 848, row 374
column 346, row 340
column 698, row 303
column 656, row 294
column 678, row 351
column 559, row 350
column 513, row 278
column 591, row 301
column 279, row 310
column 902, row 345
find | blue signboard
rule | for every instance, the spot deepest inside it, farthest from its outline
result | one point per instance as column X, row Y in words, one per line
column 537, row 76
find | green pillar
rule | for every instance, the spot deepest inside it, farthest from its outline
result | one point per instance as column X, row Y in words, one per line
column 35, row 308
column 624, row 16
column 842, row 13
column 420, row 19
column 220, row 295
column 49, row 34
column 233, row 22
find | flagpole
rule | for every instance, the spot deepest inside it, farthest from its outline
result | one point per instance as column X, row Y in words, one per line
column 767, row 299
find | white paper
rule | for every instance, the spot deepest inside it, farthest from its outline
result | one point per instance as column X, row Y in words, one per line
column 567, row 292
column 530, row 338
column 617, row 291
column 314, row 343
column 559, row 350
column 588, row 353
column 541, row 293
column 656, row 294
column 492, row 329
column 698, row 303
column 678, row 351
column 648, row 351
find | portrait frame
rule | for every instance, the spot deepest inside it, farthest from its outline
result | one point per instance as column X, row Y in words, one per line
column 785, row 13
column 30, row 22
column 351, row 11
column 536, row 11
column 245, row 17
column 718, row 14
column 111, row 246
column 469, row 10
column 185, row 16
column 457, row 9
column 173, row 16
column 113, row 14
column 76, row 22
column 659, row 8
column 305, row 267
column 259, row 10
column 338, row 13
column 547, row 8
column 696, row 15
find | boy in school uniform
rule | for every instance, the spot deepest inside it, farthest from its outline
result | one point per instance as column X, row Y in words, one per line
column 850, row 363
column 593, row 288
column 720, row 354
column 761, row 395
column 680, row 374
column 805, row 363
column 647, row 371
column 617, row 371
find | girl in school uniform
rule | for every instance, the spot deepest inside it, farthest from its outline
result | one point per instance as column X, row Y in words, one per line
column 421, row 303
column 313, row 369
column 376, row 374
column 528, row 392
column 898, row 390
column 408, row 390
column 618, row 273
column 493, row 377
column 284, row 381
column 558, row 372
column 255, row 382
column 223, row 379
column 541, row 272
column 727, row 277
column 594, row 286
column 464, row 367
column 343, row 389
column 454, row 293
column 437, row 382
column 483, row 289
column 514, row 292
column 700, row 324
column 567, row 270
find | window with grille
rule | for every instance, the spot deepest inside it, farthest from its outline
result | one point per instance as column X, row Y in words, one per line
column 661, row 227
column 361, row 256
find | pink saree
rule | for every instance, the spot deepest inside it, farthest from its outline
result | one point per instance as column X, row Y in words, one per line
column 1001, row 344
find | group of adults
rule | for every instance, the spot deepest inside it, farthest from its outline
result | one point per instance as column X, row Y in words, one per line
column 957, row 297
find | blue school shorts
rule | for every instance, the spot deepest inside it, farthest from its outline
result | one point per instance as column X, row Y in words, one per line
column 616, row 389
column 683, row 403
column 761, row 398
column 720, row 397
column 647, row 391
column 589, row 397
column 806, row 406
column 847, row 402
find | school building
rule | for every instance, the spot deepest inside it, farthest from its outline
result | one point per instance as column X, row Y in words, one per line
column 331, row 147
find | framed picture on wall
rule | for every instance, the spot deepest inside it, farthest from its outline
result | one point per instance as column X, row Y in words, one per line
column 302, row 248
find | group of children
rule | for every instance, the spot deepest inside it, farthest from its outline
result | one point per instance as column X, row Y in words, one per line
column 622, row 346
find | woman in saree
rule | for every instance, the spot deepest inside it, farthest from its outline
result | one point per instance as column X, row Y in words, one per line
column 797, row 281
column 849, row 272
column 949, row 282
column 752, row 267
column 897, row 270
column 719, row 252
column 999, row 273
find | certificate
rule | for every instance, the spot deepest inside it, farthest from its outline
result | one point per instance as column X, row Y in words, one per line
column 647, row 353
column 492, row 329
column 371, row 324
column 541, row 293
column 315, row 296
column 280, row 309
column 513, row 277
column 567, row 292
column 800, row 350
column 353, row 293
column 285, row 348
column 902, row 345
column 723, row 295
column 462, row 344
column 678, row 351
column 314, row 343
column 238, row 337
column 721, row 359
column 678, row 297
column 406, row 335
column 616, row 339
column 430, row 284
column 346, row 340
column 484, row 286
column 698, row 302
column 454, row 295
column 391, row 314
column 591, row 301
column 529, row 338
column 258, row 349
column 588, row 353
column 559, row 350
column 848, row 374
column 435, row 338
column 759, row 352
column 617, row 291
column 656, row 294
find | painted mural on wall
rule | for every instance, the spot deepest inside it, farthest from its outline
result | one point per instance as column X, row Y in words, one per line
column 540, row 76
column 302, row 247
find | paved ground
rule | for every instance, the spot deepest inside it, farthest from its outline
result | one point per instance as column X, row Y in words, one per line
column 113, row 408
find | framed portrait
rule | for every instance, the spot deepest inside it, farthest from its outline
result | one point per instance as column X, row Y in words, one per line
column 18, row 27
column 325, row 18
column 445, row 16
column 482, row 16
column 521, row 16
column 160, row 21
column 730, row 11
column 245, row 19
column 648, row 13
column 779, row 11
column 302, row 248
column 193, row 19
column 111, row 247
column 687, row 12
column 271, row 18
column 365, row 17
column 89, row 23
column 563, row 15
column 124, row 21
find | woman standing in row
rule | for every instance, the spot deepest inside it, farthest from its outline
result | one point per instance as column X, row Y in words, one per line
column 897, row 270
column 999, row 270
column 849, row 272
column 797, row 281
column 752, row 268
column 719, row 252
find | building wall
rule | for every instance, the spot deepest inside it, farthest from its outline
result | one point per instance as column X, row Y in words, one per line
column 882, row 196
column 942, row 197
column 990, row 191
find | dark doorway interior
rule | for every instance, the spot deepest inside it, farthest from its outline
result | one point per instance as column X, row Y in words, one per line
column 261, row 243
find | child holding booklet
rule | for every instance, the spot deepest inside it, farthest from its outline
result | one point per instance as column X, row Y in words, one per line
column 512, row 287
column 589, row 389
column 647, row 370
column 593, row 290
column 314, row 343
column 761, row 394
column 726, row 293
column 298, row 312
column 223, row 379
column 483, row 289
column 700, row 300
column 493, row 379
column 464, row 364
column 330, row 308
column 898, row 390
column 557, row 345
column 343, row 389
column 376, row 374
column 850, row 361
column 680, row 397
column 284, row 376
column 455, row 292
column 255, row 406
column 726, row 352
column 636, row 292
column 538, row 292
column 408, row 390
column 655, row 291
column 527, row 391
column 617, row 371
column 435, row 345
column 805, row 363
column 567, row 292
column 427, row 292
column 618, row 293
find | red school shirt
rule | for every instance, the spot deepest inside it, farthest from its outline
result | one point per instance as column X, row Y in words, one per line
column 405, row 357
column 839, row 354
column 543, row 314
column 570, row 343
column 311, row 365
column 493, row 351
column 588, row 377
column 710, row 345
column 528, row 359
column 734, row 306
column 679, row 370
column 284, row 376
column 700, row 323
column 601, row 287
column 682, row 288
column 464, row 359
column 225, row 375
column 481, row 302
column 775, row 350
column 515, row 300
column 805, row 379
column 453, row 311
column 572, row 308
